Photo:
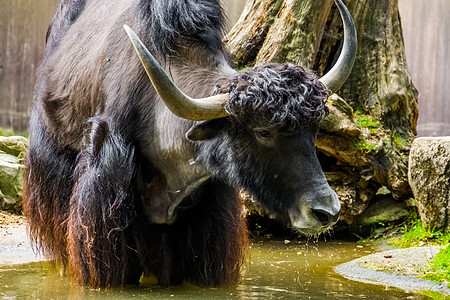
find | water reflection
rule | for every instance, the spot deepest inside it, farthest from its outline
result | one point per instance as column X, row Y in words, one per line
column 276, row 270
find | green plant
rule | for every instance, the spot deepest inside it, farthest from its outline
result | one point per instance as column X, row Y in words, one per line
column 398, row 140
column 240, row 68
column 367, row 146
column 360, row 239
column 258, row 230
column 366, row 121
column 440, row 266
column 415, row 234
column 6, row 132
column 358, row 110
column 433, row 295
column 412, row 215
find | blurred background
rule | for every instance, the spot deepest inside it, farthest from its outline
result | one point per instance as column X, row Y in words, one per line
column 426, row 30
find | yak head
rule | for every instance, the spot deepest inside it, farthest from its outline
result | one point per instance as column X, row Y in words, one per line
column 258, row 132
column 266, row 145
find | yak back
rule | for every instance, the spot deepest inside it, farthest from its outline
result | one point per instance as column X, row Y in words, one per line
column 90, row 67
column 66, row 14
column 166, row 21
column 170, row 21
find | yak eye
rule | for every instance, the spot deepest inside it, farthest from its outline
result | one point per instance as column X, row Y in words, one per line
column 263, row 133
column 263, row 136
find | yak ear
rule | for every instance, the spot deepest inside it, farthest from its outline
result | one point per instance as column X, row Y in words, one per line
column 207, row 130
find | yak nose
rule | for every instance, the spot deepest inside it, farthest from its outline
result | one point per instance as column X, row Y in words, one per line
column 327, row 210
column 324, row 217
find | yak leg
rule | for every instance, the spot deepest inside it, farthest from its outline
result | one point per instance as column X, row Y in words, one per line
column 213, row 236
column 206, row 245
column 158, row 251
column 48, row 184
column 101, row 248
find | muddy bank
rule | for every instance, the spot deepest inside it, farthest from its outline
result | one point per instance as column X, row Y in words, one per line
column 396, row 268
column 15, row 247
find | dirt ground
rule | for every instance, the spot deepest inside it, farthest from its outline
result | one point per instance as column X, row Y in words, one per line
column 399, row 268
column 7, row 219
column 411, row 261
column 15, row 247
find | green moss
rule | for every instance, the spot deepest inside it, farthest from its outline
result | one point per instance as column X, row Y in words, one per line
column 366, row 146
column 398, row 140
column 366, row 121
column 242, row 67
column 358, row 110
column 331, row 123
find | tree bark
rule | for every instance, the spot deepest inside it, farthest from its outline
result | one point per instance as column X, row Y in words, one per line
column 364, row 142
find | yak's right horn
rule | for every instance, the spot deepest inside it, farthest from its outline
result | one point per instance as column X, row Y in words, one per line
column 178, row 102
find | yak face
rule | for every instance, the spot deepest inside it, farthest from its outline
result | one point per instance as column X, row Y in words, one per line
column 266, row 145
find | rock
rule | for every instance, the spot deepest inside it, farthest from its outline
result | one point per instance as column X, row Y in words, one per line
column 385, row 210
column 429, row 177
column 14, row 145
column 397, row 268
column 12, row 152
column 355, row 192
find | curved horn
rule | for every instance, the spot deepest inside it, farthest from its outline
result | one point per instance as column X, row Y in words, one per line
column 336, row 77
column 178, row 102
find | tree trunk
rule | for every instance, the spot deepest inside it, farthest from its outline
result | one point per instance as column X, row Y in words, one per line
column 364, row 142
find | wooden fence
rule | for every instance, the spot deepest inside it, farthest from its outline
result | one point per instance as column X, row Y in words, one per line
column 23, row 25
column 426, row 29
column 426, row 24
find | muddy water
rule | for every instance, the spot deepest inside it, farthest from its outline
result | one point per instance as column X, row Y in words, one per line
column 297, row 270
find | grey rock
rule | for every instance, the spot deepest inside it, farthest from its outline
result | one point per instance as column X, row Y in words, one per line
column 12, row 151
column 14, row 145
column 379, row 213
column 429, row 178
column 397, row 268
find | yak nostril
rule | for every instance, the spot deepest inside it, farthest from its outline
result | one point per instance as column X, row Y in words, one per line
column 322, row 216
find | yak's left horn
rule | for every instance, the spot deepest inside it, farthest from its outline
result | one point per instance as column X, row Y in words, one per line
column 178, row 102
column 336, row 77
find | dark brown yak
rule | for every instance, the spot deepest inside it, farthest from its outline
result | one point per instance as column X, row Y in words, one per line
column 125, row 176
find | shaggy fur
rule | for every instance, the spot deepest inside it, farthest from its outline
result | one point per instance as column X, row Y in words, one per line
column 103, row 145
column 174, row 22
column 280, row 96
column 86, row 172
column 66, row 15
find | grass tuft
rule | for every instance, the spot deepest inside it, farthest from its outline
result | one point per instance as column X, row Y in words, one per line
column 7, row 133
column 440, row 267
column 416, row 234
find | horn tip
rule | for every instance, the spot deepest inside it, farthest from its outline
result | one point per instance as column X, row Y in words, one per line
column 129, row 31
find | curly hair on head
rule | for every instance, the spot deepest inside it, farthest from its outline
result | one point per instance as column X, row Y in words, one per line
column 281, row 96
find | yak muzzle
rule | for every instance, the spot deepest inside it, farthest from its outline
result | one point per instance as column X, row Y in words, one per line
column 316, row 212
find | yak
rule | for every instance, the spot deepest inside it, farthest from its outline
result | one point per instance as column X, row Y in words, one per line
column 135, row 161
